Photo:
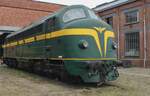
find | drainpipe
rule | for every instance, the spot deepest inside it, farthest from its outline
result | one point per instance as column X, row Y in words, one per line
column 145, row 39
column 118, row 29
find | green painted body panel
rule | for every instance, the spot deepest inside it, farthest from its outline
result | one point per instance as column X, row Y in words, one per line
column 31, row 50
column 68, row 47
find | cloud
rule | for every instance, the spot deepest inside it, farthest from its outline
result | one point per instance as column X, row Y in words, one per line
column 89, row 3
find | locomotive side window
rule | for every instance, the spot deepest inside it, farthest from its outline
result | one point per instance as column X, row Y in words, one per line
column 51, row 24
column 73, row 14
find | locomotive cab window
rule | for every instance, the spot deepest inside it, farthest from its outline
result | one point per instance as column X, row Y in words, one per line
column 73, row 14
column 50, row 23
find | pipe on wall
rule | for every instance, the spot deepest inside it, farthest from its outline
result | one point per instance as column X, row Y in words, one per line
column 145, row 39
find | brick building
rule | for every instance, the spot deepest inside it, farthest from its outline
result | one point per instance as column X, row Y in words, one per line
column 130, row 20
column 19, row 13
column 15, row 14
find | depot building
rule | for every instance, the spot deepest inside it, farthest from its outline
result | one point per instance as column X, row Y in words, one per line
column 130, row 20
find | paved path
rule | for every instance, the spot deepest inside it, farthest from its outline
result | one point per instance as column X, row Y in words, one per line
column 134, row 74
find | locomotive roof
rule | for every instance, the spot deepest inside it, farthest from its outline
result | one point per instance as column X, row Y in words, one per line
column 42, row 20
column 33, row 24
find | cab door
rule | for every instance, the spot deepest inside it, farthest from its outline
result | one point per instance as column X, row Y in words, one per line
column 50, row 26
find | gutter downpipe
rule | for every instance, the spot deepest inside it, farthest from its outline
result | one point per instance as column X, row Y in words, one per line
column 145, row 43
column 118, row 29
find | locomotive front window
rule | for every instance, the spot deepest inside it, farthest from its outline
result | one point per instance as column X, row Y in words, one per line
column 73, row 14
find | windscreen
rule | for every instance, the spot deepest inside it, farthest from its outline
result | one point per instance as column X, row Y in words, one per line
column 93, row 15
column 73, row 14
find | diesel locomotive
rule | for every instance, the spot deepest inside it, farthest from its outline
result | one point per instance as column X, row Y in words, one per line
column 72, row 43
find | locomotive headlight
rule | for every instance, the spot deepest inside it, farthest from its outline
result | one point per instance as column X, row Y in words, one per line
column 114, row 46
column 83, row 44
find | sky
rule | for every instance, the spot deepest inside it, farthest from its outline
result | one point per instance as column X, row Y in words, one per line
column 88, row 3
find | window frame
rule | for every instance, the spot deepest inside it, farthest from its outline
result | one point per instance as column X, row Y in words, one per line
column 50, row 24
column 75, row 18
column 125, row 46
column 131, row 11
column 109, row 18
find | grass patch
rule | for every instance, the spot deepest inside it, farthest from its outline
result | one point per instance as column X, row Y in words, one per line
column 19, row 83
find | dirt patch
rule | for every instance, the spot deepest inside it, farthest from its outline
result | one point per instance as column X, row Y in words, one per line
column 19, row 83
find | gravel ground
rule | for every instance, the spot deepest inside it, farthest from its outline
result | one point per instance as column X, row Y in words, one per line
column 132, row 82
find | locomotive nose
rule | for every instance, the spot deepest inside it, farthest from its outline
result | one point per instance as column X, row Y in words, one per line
column 103, row 68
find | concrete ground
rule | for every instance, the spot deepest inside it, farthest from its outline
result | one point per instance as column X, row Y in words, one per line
column 132, row 82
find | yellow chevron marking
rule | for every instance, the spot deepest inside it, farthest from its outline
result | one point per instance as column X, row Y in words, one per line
column 107, row 35
column 99, row 29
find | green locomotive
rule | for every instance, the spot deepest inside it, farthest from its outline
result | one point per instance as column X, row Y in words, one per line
column 72, row 43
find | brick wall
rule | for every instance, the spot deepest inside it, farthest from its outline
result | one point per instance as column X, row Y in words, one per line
column 148, row 33
column 20, row 13
column 121, row 28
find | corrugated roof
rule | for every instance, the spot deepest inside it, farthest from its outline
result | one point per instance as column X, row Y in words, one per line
column 9, row 28
column 112, row 4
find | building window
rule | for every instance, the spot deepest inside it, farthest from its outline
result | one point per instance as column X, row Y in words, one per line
column 109, row 20
column 132, row 44
column 132, row 17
